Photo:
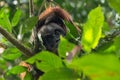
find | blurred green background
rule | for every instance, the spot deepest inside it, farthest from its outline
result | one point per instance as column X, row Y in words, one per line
column 97, row 15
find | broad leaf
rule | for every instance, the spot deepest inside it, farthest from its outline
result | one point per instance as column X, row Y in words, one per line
column 11, row 54
column 32, row 60
column 115, row 4
column 106, row 28
column 60, row 74
column 117, row 45
column 64, row 46
column 3, row 65
column 111, row 47
column 48, row 61
column 92, row 29
column 30, row 22
column 106, row 48
column 16, row 17
column 2, row 12
column 28, row 76
column 5, row 22
column 17, row 70
column 72, row 29
column 2, row 78
column 98, row 67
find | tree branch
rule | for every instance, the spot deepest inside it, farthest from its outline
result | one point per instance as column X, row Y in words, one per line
column 26, row 51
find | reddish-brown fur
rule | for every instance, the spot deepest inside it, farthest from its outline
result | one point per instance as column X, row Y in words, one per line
column 58, row 11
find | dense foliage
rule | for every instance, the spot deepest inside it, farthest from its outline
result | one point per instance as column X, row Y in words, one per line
column 98, row 59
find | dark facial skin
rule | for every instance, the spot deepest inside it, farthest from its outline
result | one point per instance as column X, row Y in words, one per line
column 50, row 34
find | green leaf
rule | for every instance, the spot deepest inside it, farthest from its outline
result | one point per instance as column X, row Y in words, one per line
column 64, row 46
column 28, row 76
column 5, row 22
column 48, row 61
column 98, row 67
column 111, row 47
column 32, row 59
column 106, row 27
column 60, row 74
column 2, row 78
column 3, row 65
column 92, row 29
column 17, row 70
column 115, row 4
column 30, row 23
column 72, row 29
column 2, row 12
column 11, row 54
column 16, row 17
column 117, row 45
column 106, row 48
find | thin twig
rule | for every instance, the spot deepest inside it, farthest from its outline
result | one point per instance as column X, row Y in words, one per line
column 75, row 50
column 26, row 51
column 112, row 36
column 31, row 8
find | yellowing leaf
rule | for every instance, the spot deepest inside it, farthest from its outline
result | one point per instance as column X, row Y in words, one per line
column 88, row 35
column 92, row 29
